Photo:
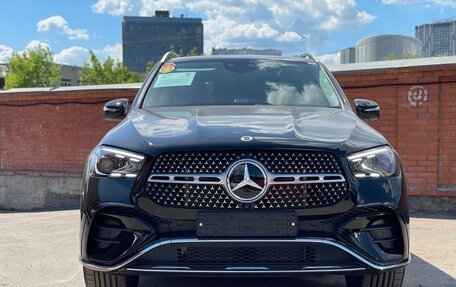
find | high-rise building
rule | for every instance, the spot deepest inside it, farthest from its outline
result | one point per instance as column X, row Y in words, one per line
column 348, row 55
column 148, row 38
column 382, row 47
column 438, row 38
column 247, row 51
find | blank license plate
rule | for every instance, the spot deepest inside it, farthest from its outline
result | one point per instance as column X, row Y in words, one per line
column 243, row 224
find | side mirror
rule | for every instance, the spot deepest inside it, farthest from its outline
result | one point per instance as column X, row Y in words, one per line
column 367, row 109
column 115, row 110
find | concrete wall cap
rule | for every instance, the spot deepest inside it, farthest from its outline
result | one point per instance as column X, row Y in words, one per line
column 395, row 64
column 74, row 88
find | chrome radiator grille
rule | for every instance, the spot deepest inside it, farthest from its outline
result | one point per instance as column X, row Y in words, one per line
column 197, row 180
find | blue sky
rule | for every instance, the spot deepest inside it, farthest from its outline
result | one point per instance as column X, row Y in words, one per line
column 71, row 28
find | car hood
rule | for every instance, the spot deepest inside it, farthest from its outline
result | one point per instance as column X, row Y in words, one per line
column 223, row 127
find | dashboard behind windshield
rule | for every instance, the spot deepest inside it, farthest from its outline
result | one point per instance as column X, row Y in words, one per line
column 241, row 82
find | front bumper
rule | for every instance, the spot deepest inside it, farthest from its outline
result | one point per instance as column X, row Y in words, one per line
column 347, row 237
column 351, row 261
column 334, row 247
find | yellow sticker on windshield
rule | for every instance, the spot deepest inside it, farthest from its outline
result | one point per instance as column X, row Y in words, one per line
column 167, row 68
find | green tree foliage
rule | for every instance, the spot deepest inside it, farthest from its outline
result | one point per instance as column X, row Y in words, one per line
column 33, row 68
column 193, row 52
column 150, row 65
column 389, row 57
column 411, row 56
column 107, row 72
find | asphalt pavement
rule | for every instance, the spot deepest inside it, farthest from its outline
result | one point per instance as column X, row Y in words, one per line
column 39, row 249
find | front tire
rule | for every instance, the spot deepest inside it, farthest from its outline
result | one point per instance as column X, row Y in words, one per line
column 392, row 278
column 94, row 278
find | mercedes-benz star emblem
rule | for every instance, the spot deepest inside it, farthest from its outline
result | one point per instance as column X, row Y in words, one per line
column 247, row 181
column 246, row 138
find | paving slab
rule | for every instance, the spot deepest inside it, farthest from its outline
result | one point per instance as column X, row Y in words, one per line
column 39, row 249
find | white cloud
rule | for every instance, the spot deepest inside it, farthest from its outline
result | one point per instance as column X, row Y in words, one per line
column 36, row 44
column 135, row 7
column 449, row 3
column 113, row 7
column 77, row 55
column 114, row 51
column 59, row 24
column 290, row 37
column 5, row 53
column 74, row 55
column 148, row 7
column 304, row 25
column 253, row 31
column 364, row 18
column 330, row 60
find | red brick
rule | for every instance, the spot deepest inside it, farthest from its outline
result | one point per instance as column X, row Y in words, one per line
column 54, row 140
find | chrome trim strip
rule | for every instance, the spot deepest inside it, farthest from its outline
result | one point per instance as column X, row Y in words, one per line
column 221, row 177
column 324, row 267
column 341, row 246
column 170, row 268
column 196, row 178
column 296, row 178
column 237, row 271
column 246, row 268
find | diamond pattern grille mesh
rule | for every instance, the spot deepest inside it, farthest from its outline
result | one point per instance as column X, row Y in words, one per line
column 213, row 196
column 279, row 162
column 190, row 196
column 196, row 196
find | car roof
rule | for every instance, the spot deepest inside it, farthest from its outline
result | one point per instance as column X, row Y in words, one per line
column 246, row 57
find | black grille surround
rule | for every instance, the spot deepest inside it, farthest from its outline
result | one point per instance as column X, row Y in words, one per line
column 214, row 196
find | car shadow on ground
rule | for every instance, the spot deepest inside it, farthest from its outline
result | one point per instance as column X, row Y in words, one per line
column 319, row 281
column 418, row 274
column 423, row 274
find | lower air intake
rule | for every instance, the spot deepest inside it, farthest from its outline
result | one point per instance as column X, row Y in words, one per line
column 250, row 255
column 109, row 238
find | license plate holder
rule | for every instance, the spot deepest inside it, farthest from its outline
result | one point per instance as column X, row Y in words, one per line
column 246, row 224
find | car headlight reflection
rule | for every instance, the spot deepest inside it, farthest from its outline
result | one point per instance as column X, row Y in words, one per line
column 377, row 162
column 113, row 162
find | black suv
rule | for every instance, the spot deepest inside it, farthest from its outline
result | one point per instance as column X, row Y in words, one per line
column 243, row 165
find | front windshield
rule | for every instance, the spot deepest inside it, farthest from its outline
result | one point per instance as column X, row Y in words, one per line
column 241, row 82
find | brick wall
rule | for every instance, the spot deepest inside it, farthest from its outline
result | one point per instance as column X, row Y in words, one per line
column 423, row 133
column 52, row 139
column 42, row 139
